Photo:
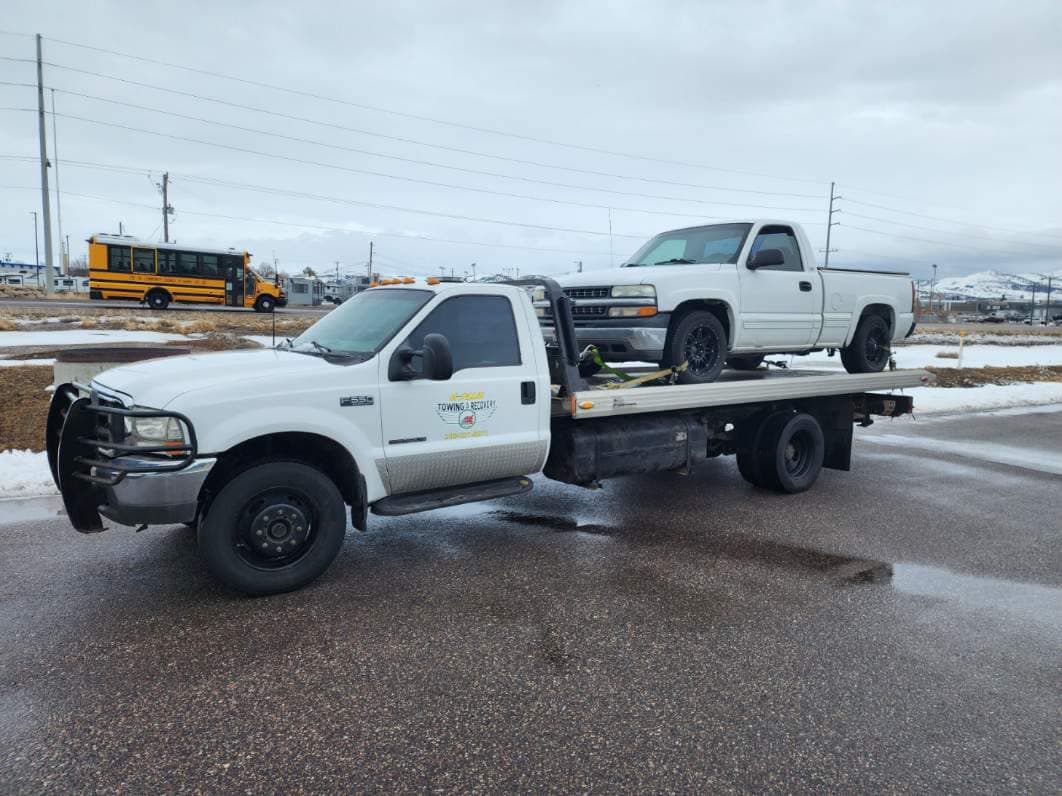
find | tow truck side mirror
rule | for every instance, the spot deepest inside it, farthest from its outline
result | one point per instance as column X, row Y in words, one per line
column 437, row 363
column 765, row 258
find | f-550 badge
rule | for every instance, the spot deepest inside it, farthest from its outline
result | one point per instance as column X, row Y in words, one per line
column 466, row 409
column 356, row 400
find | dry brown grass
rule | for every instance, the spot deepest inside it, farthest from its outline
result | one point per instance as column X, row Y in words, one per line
column 947, row 355
column 7, row 325
column 976, row 377
column 1002, row 329
column 25, row 406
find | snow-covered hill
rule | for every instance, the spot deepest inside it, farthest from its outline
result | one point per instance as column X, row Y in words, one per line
column 994, row 285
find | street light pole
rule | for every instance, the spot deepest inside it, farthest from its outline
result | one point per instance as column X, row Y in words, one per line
column 45, row 205
column 36, row 247
column 932, row 287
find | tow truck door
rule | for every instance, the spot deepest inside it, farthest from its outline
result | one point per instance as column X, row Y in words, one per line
column 489, row 420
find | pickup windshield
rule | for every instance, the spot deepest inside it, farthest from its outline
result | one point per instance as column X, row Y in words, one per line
column 718, row 243
column 364, row 324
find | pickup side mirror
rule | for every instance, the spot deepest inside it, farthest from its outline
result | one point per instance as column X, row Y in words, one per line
column 765, row 258
column 436, row 361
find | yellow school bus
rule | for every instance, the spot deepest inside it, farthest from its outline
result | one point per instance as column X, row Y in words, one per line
column 121, row 267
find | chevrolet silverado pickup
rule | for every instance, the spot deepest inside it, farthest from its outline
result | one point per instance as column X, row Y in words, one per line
column 414, row 396
column 732, row 293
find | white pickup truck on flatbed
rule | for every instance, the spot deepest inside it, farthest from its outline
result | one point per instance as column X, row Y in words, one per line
column 731, row 293
column 413, row 396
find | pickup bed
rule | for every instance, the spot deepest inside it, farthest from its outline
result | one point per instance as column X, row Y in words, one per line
column 413, row 396
column 727, row 294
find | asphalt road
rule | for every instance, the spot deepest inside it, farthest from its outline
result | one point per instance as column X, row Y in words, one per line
column 132, row 305
column 898, row 628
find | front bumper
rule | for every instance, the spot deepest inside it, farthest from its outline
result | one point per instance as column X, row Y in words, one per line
column 632, row 340
column 99, row 474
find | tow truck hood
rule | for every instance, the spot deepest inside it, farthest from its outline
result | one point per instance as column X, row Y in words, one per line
column 157, row 383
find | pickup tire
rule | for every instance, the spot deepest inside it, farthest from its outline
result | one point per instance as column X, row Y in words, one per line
column 870, row 348
column 699, row 339
column 784, row 453
column 748, row 362
column 273, row 528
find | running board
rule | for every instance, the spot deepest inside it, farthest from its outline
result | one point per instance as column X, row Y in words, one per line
column 450, row 496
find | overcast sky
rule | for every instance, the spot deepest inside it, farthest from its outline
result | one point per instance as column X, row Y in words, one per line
column 950, row 112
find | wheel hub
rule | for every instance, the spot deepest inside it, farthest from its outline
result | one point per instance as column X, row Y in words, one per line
column 278, row 530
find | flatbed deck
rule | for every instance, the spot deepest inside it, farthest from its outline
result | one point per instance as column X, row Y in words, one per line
column 733, row 387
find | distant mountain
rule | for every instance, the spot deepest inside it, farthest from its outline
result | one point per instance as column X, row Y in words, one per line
column 994, row 285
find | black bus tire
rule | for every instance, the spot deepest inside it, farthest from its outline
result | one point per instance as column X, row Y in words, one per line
column 273, row 528
column 265, row 304
column 158, row 299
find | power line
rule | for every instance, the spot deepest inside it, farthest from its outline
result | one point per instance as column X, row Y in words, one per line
column 479, row 172
column 353, row 170
column 1054, row 247
column 920, row 240
column 417, row 142
column 951, row 220
column 422, row 118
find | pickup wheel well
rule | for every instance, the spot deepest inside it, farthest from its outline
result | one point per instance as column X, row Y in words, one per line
column 313, row 450
column 720, row 309
column 884, row 311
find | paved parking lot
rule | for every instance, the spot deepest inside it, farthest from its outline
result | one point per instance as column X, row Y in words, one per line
column 897, row 628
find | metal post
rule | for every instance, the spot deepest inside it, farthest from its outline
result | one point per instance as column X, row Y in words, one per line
column 1032, row 305
column 830, row 224
column 166, row 209
column 932, row 287
column 611, row 259
column 64, row 254
column 370, row 262
column 36, row 248
column 1047, row 309
column 45, row 204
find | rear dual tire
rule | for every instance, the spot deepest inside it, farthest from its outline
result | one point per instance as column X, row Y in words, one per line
column 273, row 528
column 783, row 453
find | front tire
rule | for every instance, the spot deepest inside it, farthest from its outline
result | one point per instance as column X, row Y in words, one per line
column 699, row 339
column 265, row 304
column 870, row 348
column 273, row 528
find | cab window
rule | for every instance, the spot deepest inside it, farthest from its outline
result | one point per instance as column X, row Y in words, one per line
column 480, row 329
column 783, row 239
column 118, row 258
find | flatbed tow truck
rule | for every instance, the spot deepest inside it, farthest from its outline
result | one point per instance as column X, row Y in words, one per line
column 414, row 396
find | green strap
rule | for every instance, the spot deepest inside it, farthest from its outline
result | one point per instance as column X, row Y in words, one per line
column 601, row 364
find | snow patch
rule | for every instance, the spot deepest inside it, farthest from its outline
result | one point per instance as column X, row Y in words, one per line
column 18, row 363
column 65, row 337
column 939, row 400
column 25, row 474
column 923, row 356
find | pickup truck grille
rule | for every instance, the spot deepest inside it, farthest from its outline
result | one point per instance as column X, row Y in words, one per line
column 589, row 311
column 587, row 292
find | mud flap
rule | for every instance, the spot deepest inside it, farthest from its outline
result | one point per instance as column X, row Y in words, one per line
column 80, row 497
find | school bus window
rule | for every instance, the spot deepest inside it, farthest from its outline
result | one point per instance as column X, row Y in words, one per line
column 144, row 261
column 118, row 258
column 187, row 264
column 208, row 265
column 167, row 262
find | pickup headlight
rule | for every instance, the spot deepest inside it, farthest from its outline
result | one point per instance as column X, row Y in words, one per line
column 631, row 312
column 149, row 431
column 634, row 291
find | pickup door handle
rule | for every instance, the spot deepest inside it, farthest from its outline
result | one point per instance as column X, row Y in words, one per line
column 527, row 392
column 805, row 286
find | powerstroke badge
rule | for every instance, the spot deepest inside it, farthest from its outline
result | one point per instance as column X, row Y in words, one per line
column 466, row 409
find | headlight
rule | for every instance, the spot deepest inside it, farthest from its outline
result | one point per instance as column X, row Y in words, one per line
column 634, row 291
column 154, row 431
column 631, row 312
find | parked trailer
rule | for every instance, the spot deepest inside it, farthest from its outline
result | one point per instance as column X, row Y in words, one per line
column 411, row 397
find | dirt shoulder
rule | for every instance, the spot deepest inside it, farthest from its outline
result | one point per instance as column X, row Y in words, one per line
column 25, row 406
column 976, row 377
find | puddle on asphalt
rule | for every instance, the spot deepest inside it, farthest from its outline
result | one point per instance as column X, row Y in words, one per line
column 14, row 510
column 1028, row 601
column 557, row 524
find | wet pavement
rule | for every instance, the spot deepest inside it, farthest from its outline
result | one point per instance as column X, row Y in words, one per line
column 897, row 628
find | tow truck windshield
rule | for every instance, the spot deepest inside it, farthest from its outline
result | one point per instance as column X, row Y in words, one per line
column 364, row 324
column 718, row 243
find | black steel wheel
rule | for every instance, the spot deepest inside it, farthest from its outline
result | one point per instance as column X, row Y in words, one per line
column 790, row 450
column 699, row 339
column 273, row 528
column 870, row 348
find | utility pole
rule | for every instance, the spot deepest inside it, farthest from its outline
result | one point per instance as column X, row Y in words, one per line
column 64, row 255
column 578, row 266
column 932, row 287
column 473, row 272
column 370, row 261
column 1032, row 305
column 1047, row 309
column 36, row 247
column 337, row 272
column 45, row 204
column 167, row 209
column 830, row 223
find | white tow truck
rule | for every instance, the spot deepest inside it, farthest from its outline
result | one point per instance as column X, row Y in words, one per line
column 414, row 396
column 731, row 293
